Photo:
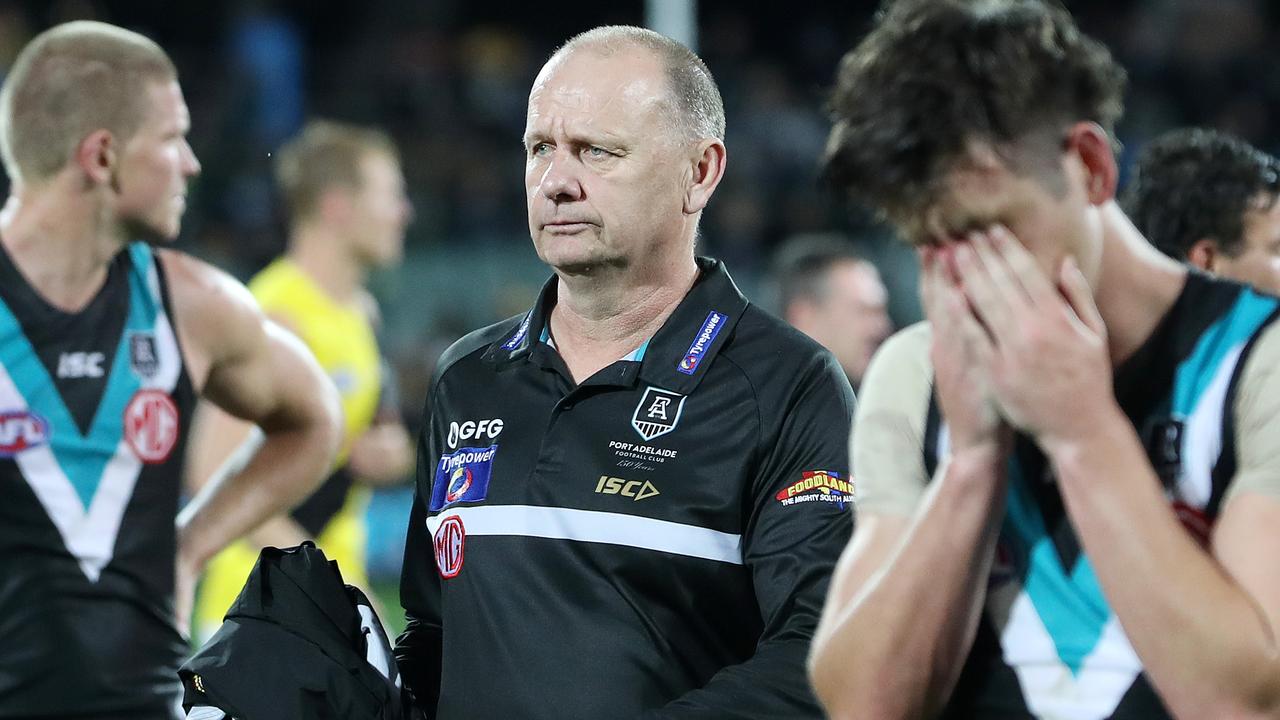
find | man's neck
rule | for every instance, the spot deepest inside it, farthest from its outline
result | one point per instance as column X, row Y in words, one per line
column 599, row 319
column 1136, row 285
column 327, row 260
column 61, row 240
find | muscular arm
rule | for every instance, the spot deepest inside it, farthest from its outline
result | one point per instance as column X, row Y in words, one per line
column 259, row 373
column 1203, row 622
column 908, row 591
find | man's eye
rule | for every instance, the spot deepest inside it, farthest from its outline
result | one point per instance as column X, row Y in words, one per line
column 595, row 151
column 540, row 150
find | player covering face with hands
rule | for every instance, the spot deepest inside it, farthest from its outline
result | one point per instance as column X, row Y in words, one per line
column 1067, row 475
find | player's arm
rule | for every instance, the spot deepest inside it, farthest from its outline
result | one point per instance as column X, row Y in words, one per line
column 383, row 454
column 1205, row 622
column 908, row 592
column 260, row 373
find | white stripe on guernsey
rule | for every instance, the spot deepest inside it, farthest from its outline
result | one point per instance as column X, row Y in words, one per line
column 205, row 712
column 91, row 536
column 1048, row 687
column 599, row 527
column 1202, row 442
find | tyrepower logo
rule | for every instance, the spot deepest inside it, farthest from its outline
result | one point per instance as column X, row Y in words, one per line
column 21, row 430
column 817, row 486
column 693, row 356
column 637, row 490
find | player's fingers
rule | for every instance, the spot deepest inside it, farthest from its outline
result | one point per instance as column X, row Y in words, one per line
column 962, row 321
column 1075, row 288
column 1022, row 266
column 987, row 300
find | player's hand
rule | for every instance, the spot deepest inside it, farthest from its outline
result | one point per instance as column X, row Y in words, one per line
column 960, row 357
column 1043, row 340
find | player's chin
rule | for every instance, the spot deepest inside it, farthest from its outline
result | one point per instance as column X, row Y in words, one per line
column 158, row 231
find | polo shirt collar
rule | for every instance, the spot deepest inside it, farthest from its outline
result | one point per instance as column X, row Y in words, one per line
column 677, row 356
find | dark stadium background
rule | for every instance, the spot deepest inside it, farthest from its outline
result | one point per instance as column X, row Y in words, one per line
column 449, row 79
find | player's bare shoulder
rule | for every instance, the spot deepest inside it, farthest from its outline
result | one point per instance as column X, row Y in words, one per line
column 216, row 316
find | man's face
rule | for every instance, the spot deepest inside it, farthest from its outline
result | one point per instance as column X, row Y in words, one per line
column 1258, row 261
column 605, row 172
column 380, row 211
column 850, row 317
column 1046, row 208
column 155, row 165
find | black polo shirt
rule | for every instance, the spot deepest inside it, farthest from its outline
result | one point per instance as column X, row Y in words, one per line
column 658, row 538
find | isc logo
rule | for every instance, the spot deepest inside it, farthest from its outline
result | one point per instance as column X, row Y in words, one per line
column 21, row 430
column 472, row 429
column 634, row 489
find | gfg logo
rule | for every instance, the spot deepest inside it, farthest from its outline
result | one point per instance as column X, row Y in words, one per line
column 471, row 429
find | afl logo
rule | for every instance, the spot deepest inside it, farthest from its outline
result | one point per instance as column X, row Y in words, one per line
column 459, row 483
column 151, row 425
column 21, row 430
column 451, row 538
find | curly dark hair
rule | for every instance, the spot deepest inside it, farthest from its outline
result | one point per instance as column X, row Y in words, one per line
column 935, row 75
column 1193, row 184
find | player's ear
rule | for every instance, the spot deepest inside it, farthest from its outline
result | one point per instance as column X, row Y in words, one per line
column 707, row 169
column 1203, row 254
column 97, row 156
column 334, row 206
column 1092, row 145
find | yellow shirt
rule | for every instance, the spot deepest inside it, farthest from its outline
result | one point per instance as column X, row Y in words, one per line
column 342, row 340
column 340, row 337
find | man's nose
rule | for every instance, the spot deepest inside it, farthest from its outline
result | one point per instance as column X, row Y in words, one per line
column 560, row 181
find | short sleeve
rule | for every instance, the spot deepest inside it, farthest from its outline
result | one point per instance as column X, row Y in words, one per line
column 888, row 433
column 1257, row 418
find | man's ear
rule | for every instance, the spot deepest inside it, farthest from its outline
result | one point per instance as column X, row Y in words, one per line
column 708, row 169
column 1092, row 145
column 1204, row 254
column 334, row 206
column 97, row 156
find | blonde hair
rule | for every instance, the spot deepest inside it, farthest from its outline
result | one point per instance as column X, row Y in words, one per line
column 69, row 81
column 326, row 154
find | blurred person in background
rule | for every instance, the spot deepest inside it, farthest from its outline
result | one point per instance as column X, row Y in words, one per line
column 106, row 339
column 629, row 498
column 1210, row 199
column 347, row 210
column 1069, row 477
column 827, row 291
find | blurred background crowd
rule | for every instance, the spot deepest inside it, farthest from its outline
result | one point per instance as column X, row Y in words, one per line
column 449, row 79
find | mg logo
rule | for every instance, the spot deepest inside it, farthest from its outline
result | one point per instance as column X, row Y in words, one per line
column 658, row 412
column 151, row 425
column 450, row 541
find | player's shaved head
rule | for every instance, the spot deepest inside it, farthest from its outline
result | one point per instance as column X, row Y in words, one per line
column 66, row 83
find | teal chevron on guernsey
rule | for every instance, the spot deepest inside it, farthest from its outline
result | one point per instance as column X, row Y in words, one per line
column 84, row 479
column 1229, row 333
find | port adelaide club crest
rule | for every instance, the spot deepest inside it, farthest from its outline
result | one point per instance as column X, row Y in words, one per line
column 658, row 412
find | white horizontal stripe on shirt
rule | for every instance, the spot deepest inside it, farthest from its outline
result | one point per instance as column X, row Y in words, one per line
column 594, row 526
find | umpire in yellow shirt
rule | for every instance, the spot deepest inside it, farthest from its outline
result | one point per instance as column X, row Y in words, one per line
column 348, row 210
